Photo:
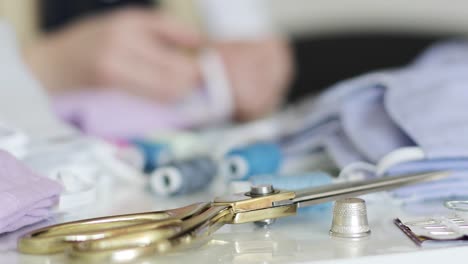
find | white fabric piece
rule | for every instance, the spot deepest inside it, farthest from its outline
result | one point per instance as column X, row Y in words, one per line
column 13, row 141
column 23, row 104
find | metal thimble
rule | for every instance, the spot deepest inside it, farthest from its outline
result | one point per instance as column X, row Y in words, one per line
column 350, row 218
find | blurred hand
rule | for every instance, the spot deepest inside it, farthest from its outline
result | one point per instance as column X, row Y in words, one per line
column 140, row 51
column 260, row 72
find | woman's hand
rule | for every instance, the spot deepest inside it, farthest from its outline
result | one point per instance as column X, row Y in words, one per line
column 260, row 71
column 140, row 51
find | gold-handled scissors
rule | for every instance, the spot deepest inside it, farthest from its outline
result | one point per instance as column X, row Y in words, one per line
column 128, row 237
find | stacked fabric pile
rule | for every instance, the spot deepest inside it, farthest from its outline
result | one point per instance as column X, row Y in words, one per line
column 401, row 121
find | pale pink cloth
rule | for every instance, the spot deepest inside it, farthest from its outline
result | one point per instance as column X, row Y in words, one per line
column 25, row 197
column 114, row 114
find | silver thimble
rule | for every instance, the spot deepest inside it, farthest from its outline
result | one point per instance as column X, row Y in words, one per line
column 350, row 218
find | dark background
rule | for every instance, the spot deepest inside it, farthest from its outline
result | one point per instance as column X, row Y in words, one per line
column 320, row 61
column 57, row 13
column 323, row 61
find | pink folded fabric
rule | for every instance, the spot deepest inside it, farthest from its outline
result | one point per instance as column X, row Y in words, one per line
column 25, row 197
column 113, row 114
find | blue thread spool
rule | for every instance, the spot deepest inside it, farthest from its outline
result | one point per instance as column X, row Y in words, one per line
column 183, row 177
column 154, row 154
column 255, row 159
column 295, row 182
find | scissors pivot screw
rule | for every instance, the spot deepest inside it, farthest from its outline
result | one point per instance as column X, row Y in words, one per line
column 262, row 190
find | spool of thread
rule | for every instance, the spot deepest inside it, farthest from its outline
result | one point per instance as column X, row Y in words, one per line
column 295, row 182
column 77, row 191
column 255, row 159
column 183, row 177
column 155, row 154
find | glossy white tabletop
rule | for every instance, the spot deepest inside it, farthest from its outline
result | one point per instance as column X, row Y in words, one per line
column 303, row 238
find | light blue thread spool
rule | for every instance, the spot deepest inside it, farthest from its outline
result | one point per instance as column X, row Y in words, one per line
column 296, row 182
column 183, row 177
column 155, row 154
column 255, row 159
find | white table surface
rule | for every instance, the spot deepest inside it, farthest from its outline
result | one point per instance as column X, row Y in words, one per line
column 300, row 239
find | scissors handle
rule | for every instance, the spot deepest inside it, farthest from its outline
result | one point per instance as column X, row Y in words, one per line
column 188, row 233
column 57, row 238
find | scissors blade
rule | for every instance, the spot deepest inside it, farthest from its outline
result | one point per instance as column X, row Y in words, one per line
column 312, row 196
